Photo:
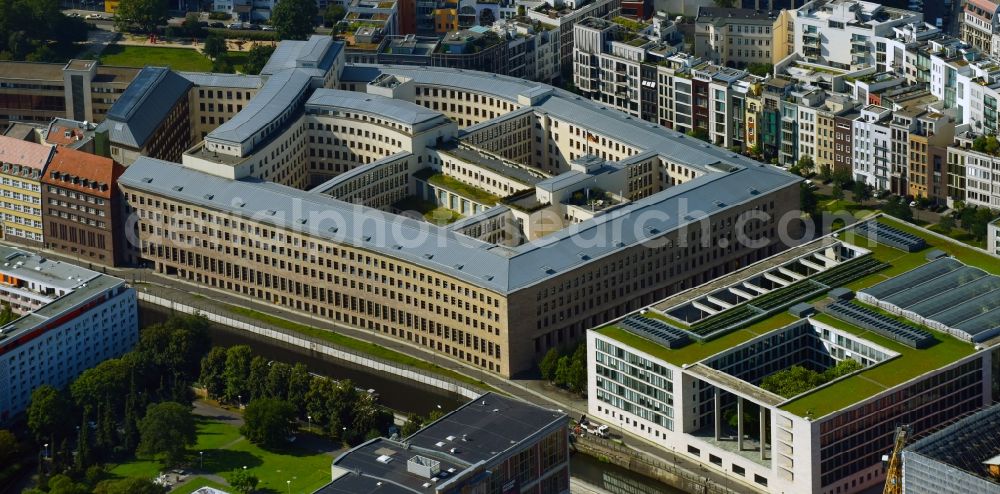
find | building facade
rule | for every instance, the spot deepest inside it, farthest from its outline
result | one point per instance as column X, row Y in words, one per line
column 22, row 165
column 78, row 90
column 78, row 318
column 734, row 37
column 84, row 217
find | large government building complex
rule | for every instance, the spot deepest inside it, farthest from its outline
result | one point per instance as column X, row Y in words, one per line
column 570, row 214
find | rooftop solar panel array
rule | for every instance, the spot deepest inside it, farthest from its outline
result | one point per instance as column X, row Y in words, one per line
column 655, row 330
column 881, row 324
column 945, row 295
column 890, row 236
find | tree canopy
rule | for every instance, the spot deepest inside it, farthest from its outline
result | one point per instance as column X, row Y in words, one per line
column 267, row 421
column 257, row 58
column 797, row 379
column 293, row 19
column 140, row 15
column 168, row 429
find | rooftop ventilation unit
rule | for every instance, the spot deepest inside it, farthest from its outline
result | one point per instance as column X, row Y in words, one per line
column 423, row 466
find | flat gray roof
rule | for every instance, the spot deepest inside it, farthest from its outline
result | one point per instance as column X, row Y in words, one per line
column 280, row 92
column 398, row 110
column 208, row 79
column 81, row 285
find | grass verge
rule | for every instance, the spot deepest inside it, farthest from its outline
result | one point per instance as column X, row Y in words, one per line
column 182, row 59
column 360, row 346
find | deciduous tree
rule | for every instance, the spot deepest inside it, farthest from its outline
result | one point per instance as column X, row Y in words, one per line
column 293, row 19
column 168, row 428
column 267, row 422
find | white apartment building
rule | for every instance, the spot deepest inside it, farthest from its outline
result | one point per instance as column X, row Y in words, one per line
column 842, row 33
column 872, row 141
column 71, row 319
column 974, row 177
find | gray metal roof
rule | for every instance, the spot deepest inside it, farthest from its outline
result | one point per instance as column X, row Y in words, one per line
column 401, row 111
column 280, row 92
column 144, row 104
column 318, row 52
column 289, row 73
column 395, row 236
column 236, row 81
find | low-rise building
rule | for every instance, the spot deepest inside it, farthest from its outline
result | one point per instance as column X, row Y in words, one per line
column 68, row 319
column 993, row 237
column 491, row 444
column 22, row 164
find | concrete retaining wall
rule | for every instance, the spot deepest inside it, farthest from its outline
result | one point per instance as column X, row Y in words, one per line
column 319, row 347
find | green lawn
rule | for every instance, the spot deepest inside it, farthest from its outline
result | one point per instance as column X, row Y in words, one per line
column 955, row 248
column 442, row 216
column 226, row 450
column 180, row 59
column 461, row 188
column 697, row 351
column 910, row 364
column 358, row 345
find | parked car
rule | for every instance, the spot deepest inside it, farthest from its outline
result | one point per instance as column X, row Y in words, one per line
column 254, row 27
column 267, row 28
column 217, row 25
column 236, row 25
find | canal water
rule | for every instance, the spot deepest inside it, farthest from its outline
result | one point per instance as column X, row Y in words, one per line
column 405, row 396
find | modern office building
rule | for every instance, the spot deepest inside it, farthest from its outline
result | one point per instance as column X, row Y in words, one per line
column 22, row 164
column 78, row 90
column 69, row 319
column 691, row 372
column 735, row 37
column 491, row 444
column 504, row 152
column 83, row 214
column 958, row 459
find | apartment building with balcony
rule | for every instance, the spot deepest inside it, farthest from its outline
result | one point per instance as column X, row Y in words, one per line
column 980, row 23
column 616, row 64
column 843, row 33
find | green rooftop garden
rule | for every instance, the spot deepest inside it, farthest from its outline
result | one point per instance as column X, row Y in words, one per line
column 697, row 351
column 909, row 364
column 463, row 189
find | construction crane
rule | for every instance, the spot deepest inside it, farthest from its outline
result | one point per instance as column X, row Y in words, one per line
column 894, row 474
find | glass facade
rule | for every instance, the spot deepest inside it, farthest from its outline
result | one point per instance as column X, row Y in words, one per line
column 634, row 384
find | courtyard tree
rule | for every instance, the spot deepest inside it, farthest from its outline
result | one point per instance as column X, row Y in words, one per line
column 267, row 422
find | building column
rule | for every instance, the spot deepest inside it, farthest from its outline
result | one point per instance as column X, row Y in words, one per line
column 763, row 430
column 739, row 423
column 718, row 415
